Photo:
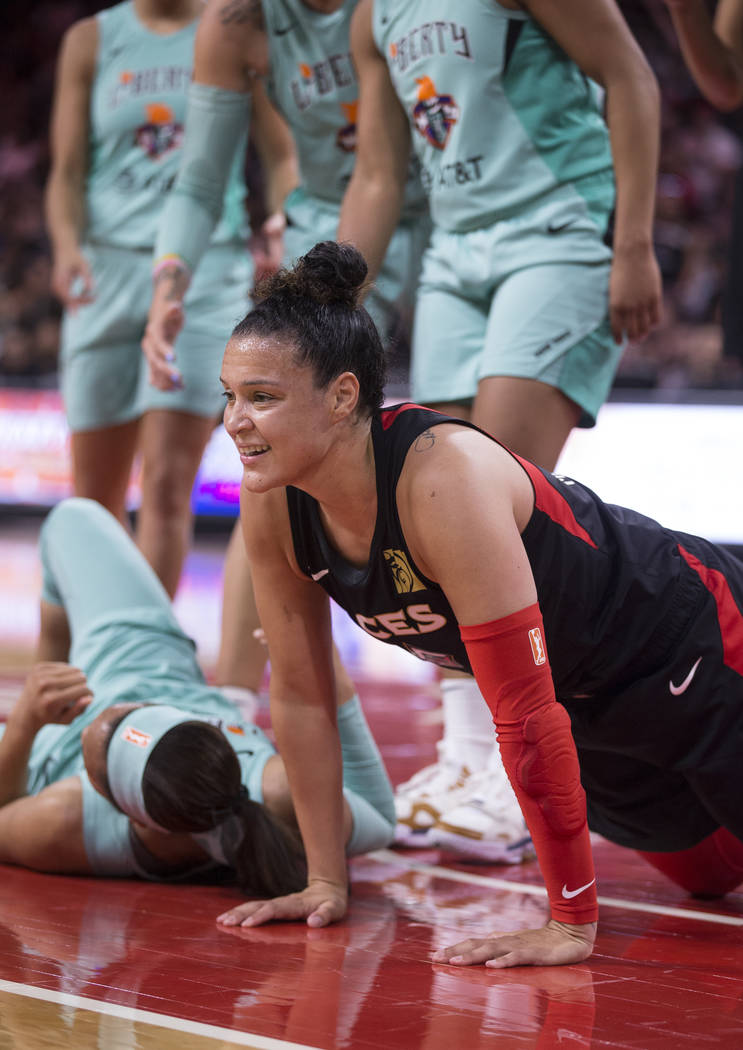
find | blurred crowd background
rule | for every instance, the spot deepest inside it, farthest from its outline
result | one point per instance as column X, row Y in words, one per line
column 700, row 193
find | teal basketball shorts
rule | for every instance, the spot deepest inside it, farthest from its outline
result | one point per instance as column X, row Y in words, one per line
column 104, row 376
column 526, row 297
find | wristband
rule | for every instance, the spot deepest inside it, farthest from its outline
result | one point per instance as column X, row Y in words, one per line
column 171, row 261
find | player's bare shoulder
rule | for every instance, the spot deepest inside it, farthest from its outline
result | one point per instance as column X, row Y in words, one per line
column 241, row 13
column 231, row 44
column 79, row 48
column 455, row 462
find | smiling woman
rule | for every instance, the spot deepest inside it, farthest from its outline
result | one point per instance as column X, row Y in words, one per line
column 435, row 537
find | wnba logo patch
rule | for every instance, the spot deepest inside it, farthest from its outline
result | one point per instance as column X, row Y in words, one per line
column 136, row 736
column 405, row 579
column 537, row 646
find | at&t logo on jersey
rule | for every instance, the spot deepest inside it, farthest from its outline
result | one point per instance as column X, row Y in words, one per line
column 161, row 133
column 434, row 114
column 403, row 576
column 537, row 646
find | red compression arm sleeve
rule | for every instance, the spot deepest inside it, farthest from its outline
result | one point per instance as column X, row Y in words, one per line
column 509, row 659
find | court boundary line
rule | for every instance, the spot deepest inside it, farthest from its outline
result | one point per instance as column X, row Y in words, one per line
column 386, row 856
column 134, row 1013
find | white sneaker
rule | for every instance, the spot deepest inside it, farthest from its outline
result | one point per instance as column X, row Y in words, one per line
column 486, row 823
column 420, row 801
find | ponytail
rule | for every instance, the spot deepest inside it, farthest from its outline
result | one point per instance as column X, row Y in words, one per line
column 266, row 855
column 192, row 783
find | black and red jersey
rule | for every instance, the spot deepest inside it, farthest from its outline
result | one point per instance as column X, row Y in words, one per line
column 643, row 627
column 612, row 585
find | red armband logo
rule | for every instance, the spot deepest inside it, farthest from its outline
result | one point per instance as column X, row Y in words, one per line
column 537, row 646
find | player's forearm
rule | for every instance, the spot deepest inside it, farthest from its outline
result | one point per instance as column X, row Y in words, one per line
column 717, row 72
column 15, row 750
column 369, row 214
column 281, row 179
column 308, row 743
column 171, row 279
column 64, row 210
column 633, row 116
column 216, row 124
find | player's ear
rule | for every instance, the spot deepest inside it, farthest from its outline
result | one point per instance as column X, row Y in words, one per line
column 344, row 395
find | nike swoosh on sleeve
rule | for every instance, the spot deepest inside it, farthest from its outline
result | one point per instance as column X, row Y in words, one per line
column 567, row 894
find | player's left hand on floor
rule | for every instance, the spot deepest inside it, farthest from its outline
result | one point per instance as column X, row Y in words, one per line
column 556, row 944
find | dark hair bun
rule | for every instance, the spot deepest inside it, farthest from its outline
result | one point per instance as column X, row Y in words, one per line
column 329, row 273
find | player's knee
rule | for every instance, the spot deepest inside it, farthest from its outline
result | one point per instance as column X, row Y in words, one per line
column 70, row 513
column 548, row 769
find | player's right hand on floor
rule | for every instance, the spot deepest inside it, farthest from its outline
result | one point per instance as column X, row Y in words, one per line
column 320, row 904
column 556, row 944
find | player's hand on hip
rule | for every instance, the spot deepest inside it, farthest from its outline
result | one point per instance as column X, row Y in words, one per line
column 53, row 692
column 635, row 293
column 556, row 944
column 319, row 904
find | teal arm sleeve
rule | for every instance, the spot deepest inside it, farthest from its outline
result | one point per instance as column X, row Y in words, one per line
column 216, row 123
column 366, row 786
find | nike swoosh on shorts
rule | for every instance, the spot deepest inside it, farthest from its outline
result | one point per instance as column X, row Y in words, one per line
column 677, row 690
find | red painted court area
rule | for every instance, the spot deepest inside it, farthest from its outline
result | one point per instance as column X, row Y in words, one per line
column 124, row 965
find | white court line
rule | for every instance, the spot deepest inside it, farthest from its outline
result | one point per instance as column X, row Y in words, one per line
column 131, row 1013
column 386, row 856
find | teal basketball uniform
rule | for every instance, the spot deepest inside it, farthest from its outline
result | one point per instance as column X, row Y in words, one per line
column 137, row 109
column 125, row 637
column 516, row 161
column 313, row 84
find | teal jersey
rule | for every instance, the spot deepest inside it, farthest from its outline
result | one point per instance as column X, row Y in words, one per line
column 500, row 117
column 313, row 84
column 137, row 110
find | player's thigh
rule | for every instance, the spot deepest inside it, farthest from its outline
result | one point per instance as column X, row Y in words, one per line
column 530, row 417
column 102, row 461
column 172, row 444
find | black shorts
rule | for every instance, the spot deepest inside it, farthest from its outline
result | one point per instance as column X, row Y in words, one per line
column 662, row 758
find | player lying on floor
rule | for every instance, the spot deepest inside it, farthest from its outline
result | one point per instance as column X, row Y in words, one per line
column 124, row 762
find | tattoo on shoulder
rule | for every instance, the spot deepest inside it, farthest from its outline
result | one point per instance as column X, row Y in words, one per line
column 424, row 441
column 242, row 12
